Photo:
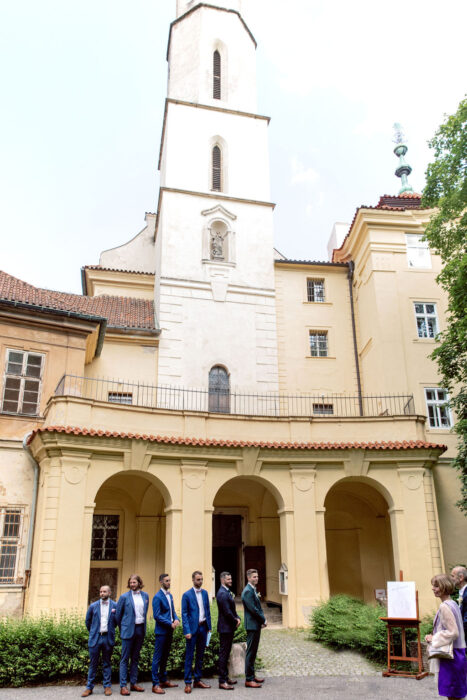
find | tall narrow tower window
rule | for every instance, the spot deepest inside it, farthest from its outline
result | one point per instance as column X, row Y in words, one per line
column 216, row 169
column 216, row 83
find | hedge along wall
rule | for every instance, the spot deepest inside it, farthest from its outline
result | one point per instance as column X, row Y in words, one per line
column 50, row 649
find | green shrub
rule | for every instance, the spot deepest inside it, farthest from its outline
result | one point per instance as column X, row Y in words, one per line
column 343, row 622
column 55, row 648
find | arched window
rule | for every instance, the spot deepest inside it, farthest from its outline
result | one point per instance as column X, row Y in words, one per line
column 219, row 390
column 216, row 169
column 216, row 72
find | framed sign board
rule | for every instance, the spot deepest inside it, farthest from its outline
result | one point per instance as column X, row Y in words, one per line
column 402, row 600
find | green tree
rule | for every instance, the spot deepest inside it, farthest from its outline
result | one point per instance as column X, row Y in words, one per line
column 446, row 190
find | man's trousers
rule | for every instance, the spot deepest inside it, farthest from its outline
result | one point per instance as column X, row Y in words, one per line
column 131, row 648
column 105, row 649
column 252, row 644
column 160, row 657
column 196, row 643
column 225, row 647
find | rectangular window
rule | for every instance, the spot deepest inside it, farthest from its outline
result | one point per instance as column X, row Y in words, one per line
column 21, row 387
column 323, row 409
column 315, row 290
column 10, row 530
column 121, row 397
column 439, row 415
column 104, row 544
column 418, row 253
column 318, row 343
column 427, row 322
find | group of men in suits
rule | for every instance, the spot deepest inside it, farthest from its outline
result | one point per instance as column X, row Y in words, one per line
column 130, row 615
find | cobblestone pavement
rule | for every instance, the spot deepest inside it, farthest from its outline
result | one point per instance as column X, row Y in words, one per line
column 289, row 653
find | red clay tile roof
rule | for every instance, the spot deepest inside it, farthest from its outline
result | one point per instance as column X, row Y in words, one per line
column 116, row 269
column 120, row 312
column 410, row 200
column 404, row 445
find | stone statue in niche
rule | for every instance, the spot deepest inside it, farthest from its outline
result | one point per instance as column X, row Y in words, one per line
column 217, row 245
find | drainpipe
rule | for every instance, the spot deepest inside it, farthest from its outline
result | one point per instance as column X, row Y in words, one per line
column 354, row 335
column 32, row 515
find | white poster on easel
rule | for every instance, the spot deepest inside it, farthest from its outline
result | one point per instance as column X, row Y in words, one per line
column 402, row 599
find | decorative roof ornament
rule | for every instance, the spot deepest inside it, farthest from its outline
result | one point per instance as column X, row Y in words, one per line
column 404, row 169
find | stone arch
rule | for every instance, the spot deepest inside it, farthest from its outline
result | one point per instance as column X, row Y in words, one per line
column 103, row 477
column 358, row 537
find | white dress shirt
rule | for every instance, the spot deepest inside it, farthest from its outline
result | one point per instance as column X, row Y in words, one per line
column 139, row 607
column 199, row 598
column 105, row 606
column 169, row 601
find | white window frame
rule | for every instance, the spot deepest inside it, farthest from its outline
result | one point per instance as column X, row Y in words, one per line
column 425, row 315
column 322, row 347
column 311, row 282
column 440, row 407
column 9, row 541
column 121, row 397
column 417, row 251
column 23, row 379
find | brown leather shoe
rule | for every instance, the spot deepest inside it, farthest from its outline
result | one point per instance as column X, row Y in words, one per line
column 201, row 684
column 86, row 693
column 124, row 690
column 259, row 680
column 188, row 689
column 136, row 688
column 168, row 684
column 158, row 690
column 252, row 684
column 107, row 691
column 231, row 682
column 225, row 686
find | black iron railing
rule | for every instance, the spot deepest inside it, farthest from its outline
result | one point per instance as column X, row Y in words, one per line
column 279, row 405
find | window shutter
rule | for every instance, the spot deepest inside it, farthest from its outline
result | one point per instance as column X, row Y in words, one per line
column 216, row 168
column 216, row 84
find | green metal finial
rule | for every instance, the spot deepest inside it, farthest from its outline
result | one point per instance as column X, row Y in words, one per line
column 404, row 169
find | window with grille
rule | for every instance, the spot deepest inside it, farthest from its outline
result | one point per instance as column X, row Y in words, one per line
column 315, row 289
column 318, row 343
column 216, row 83
column 323, row 409
column 418, row 253
column 439, row 415
column 21, row 387
column 121, row 397
column 427, row 322
column 216, row 169
column 104, row 545
column 219, row 390
column 10, row 530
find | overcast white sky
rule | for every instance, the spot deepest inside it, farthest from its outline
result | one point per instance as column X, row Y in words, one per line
column 82, row 95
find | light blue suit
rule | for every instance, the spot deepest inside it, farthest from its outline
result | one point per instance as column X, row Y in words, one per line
column 164, row 634
column 100, row 644
column 199, row 632
column 132, row 635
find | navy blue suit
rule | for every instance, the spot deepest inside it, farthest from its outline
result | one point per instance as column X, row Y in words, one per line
column 463, row 606
column 132, row 635
column 199, row 632
column 100, row 644
column 226, row 625
column 164, row 633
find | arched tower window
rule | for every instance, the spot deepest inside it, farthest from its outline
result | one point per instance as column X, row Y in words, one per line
column 219, row 390
column 216, row 81
column 216, row 169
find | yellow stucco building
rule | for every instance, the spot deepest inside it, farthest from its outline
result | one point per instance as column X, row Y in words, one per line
column 210, row 404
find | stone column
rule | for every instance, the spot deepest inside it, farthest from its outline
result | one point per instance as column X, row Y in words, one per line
column 207, row 566
column 308, row 588
column 173, row 528
column 289, row 602
column 323, row 573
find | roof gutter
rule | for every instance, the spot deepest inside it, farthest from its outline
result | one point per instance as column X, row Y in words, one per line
column 351, row 267
column 32, row 515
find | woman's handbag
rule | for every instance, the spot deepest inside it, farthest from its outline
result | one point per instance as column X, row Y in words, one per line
column 445, row 651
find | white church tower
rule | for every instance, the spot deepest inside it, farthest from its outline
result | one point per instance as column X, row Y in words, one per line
column 214, row 288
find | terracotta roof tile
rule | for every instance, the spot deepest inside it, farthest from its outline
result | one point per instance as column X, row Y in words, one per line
column 201, row 442
column 120, row 312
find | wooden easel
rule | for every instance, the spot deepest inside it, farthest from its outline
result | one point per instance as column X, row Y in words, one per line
column 404, row 624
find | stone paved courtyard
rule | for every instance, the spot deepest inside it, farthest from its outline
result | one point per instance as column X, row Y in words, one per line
column 289, row 653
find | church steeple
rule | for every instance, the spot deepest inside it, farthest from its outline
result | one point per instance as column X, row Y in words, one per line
column 187, row 5
column 404, row 169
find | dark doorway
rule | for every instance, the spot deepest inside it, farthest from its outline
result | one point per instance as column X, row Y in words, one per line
column 227, row 548
column 102, row 577
column 255, row 558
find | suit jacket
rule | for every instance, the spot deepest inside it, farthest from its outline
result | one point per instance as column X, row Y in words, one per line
column 161, row 612
column 93, row 622
column 463, row 607
column 190, row 611
column 254, row 616
column 227, row 618
column 125, row 615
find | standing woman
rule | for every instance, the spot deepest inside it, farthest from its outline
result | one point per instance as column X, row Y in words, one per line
column 448, row 627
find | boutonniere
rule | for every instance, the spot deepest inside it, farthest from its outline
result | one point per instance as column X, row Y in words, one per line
column 258, row 594
column 113, row 610
column 232, row 594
